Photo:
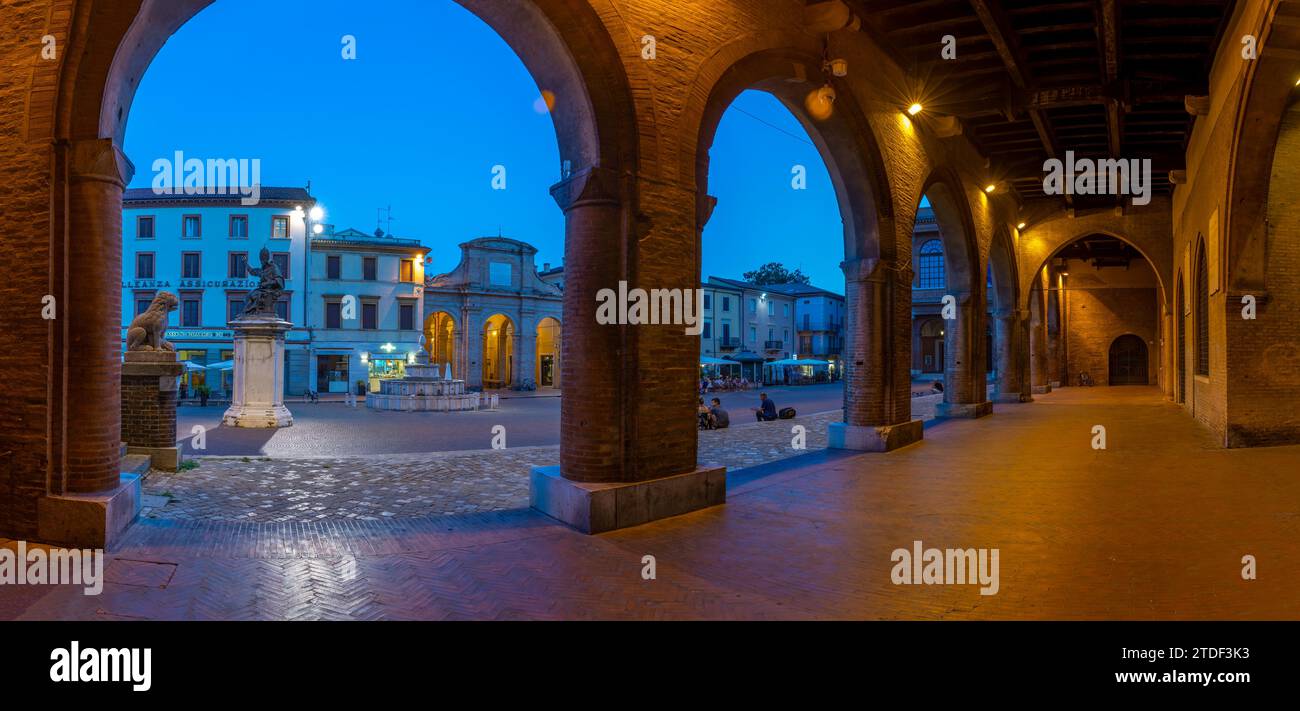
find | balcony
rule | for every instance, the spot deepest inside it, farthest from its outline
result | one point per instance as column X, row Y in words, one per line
column 773, row 345
column 729, row 342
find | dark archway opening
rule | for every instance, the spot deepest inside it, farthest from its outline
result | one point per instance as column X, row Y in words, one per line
column 1128, row 361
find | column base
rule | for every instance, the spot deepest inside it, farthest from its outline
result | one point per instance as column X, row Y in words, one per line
column 89, row 520
column 257, row 417
column 1014, row 397
column 870, row 438
column 596, row 507
column 1042, row 389
column 964, row 410
column 164, row 458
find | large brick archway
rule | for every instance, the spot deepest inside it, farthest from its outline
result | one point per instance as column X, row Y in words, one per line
column 77, row 113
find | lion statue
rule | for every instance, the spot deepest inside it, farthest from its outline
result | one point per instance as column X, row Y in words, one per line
column 146, row 330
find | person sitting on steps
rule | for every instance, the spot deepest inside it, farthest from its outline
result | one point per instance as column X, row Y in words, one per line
column 767, row 410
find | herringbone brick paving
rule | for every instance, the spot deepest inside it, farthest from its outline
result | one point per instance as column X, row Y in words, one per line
column 1152, row 527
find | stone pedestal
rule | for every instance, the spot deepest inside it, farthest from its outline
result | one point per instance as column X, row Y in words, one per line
column 149, row 381
column 89, row 520
column 596, row 507
column 257, row 400
column 871, row 438
column 964, row 409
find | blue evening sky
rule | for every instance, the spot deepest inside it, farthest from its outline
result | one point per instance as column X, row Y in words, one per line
column 433, row 101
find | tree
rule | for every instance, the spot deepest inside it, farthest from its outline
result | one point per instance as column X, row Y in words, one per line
column 776, row 273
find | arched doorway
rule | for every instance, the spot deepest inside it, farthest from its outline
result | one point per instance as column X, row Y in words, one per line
column 498, row 351
column 440, row 340
column 1128, row 361
column 931, row 345
column 546, row 372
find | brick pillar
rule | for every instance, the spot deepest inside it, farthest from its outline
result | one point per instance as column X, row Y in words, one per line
column 966, row 376
column 1009, row 342
column 149, row 406
column 627, row 428
column 1038, row 343
column 93, row 309
column 877, row 355
column 592, row 409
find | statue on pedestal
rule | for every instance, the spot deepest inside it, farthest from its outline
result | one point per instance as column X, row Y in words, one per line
column 270, row 285
column 146, row 330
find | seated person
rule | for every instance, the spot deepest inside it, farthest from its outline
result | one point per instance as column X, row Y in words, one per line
column 767, row 411
column 721, row 420
column 702, row 414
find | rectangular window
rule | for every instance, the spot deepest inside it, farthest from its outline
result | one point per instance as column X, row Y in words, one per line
column 238, row 265
column 281, row 260
column 407, row 315
column 708, row 330
column 726, row 329
column 333, row 314
column 282, row 309
column 190, row 311
column 239, row 227
column 369, row 315
column 407, row 270
column 771, row 334
column 753, row 306
column 785, row 310
column 771, row 308
column 190, row 265
column 708, row 301
column 333, row 267
column 234, row 306
column 726, row 303
column 370, row 268
column 144, row 265
column 280, row 226
column 753, row 334
column 785, row 335
column 144, row 227
column 191, row 227
column 142, row 301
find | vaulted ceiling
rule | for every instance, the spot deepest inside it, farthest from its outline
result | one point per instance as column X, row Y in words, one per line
column 1033, row 79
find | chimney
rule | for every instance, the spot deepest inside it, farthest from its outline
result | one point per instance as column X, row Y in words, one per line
column 546, row 266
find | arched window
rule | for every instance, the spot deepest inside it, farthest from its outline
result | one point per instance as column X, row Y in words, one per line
column 930, row 265
column 1202, row 315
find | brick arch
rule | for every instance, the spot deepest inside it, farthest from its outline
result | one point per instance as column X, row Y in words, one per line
column 845, row 140
column 1156, row 266
column 562, row 43
column 952, row 212
column 1269, row 89
column 1006, row 278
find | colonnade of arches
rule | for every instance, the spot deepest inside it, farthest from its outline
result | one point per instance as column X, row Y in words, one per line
column 498, row 351
column 634, row 138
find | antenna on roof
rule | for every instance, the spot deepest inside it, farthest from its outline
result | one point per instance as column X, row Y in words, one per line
column 380, row 218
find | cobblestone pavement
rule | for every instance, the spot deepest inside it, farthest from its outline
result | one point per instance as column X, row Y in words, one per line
column 1153, row 527
column 375, row 487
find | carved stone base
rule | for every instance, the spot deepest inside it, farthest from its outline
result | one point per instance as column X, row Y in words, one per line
column 968, row 410
column 89, row 520
column 875, row 439
column 598, row 507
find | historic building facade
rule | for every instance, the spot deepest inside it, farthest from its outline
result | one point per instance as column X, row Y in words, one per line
column 199, row 247
column 366, row 308
column 494, row 319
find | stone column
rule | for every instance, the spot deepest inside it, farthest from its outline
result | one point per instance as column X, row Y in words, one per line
column 877, row 355
column 601, row 483
column 257, row 400
column 966, row 381
column 526, row 349
column 1038, row 353
column 149, row 406
column 89, row 502
column 1008, row 342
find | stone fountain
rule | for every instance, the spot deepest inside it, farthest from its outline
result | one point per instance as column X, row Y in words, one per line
column 428, row 388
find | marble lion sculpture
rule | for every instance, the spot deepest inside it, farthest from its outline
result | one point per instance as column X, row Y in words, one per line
column 146, row 330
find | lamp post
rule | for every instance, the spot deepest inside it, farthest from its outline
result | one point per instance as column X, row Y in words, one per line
column 311, row 226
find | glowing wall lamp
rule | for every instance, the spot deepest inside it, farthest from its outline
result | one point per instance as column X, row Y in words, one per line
column 915, row 109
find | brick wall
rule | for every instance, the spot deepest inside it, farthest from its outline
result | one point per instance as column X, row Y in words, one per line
column 1096, row 317
column 148, row 413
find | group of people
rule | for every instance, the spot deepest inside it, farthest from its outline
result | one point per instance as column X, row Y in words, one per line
column 713, row 417
column 722, row 383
